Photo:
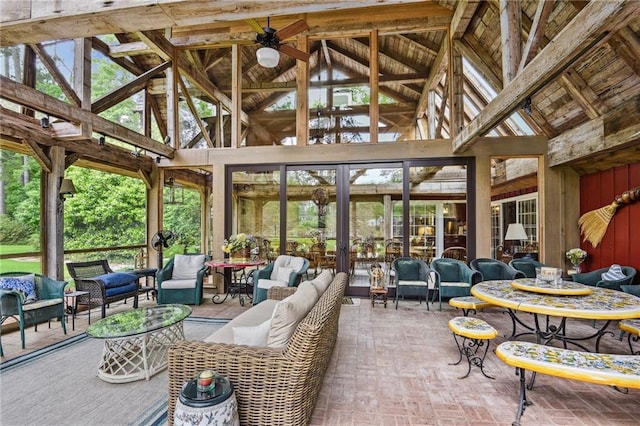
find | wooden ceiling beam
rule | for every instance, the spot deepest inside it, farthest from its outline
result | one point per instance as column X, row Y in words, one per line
column 511, row 36
column 198, row 77
column 57, row 76
column 32, row 98
column 536, row 33
column 595, row 23
column 617, row 129
column 105, row 49
column 118, row 95
column 39, row 155
column 437, row 71
column 462, row 18
column 582, row 93
column 627, row 45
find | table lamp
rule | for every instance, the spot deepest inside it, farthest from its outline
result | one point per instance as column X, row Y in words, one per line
column 516, row 232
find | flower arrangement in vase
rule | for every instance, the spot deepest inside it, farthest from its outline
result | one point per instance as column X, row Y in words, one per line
column 239, row 245
column 576, row 256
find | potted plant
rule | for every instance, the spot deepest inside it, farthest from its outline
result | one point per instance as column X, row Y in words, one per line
column 239, row 245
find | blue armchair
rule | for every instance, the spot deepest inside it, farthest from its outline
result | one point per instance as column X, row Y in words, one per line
column 455, row 278
column 285, row 271
column 492, row 269
column 181, row 280
column 413, row 277
column 48, row 303
column 594, row 278
column 526, row 266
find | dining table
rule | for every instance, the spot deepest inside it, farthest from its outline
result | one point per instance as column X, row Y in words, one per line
column 553, row 304
column 236, row 277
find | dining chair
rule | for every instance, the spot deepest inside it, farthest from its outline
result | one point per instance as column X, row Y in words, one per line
column 594, row 278
column 526, row 266
column 455, row 278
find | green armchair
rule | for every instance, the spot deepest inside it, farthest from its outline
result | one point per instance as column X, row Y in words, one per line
column 285, row 271
column 526, row 266
column 594, row 278
column 455, row 278
column 182, row 278
column 492, row 269
column 412, row 277
column 49, row 303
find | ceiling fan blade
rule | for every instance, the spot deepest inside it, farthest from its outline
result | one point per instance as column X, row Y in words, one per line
column 296, row 53
column 255, row 26
column 292, row 29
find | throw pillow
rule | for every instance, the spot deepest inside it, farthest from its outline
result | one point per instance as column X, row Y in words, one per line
column 284, row 274
column 252, row 335
column 614, row 273
column 187, row 266
column 24, row 284
column 322, row 281
column 288, row 313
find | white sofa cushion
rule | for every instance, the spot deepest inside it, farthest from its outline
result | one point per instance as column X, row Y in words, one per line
column 322, row 281
column 288, row 313
column 185, row 267
column 267, row 284
column 255, row 335
column 179, row 284
column 258, row 314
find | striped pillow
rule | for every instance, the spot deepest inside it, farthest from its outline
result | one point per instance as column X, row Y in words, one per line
column 613, row 274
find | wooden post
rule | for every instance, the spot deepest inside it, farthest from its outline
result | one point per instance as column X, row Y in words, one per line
column 302, row 95
column 374, row 79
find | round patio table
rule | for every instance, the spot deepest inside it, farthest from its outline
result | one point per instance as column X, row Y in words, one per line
column 235, row 286
column 136, row 342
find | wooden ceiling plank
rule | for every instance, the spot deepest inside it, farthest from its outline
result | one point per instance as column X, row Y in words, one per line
column 462, row 17
column 39, row 101
column 536, row 34
column 582, row 93
column 594, row 23
column 39, row 155
column 614, row 130
column 57, row 76
column 118, row 95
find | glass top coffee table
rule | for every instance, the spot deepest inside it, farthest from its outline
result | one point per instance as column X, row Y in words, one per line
column 136, row 341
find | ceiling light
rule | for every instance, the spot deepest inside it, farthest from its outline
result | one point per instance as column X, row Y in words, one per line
column 268, row 57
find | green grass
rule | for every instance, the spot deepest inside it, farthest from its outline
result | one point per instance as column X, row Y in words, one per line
column 8, row 265
column 17, row 249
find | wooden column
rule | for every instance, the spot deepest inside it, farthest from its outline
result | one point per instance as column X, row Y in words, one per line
column 457, row 92
column 236, row 96
column 82, row 79
column 154, row 214
column 483, row 205
column 217, row 216
column 374, row 79
column 53, row 206
column 432, row 115
column 511, row 33
column 302, row 95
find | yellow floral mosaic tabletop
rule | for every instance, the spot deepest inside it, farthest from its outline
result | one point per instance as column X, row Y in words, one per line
column 604, row 369
column 566, row 288
column 602, row 303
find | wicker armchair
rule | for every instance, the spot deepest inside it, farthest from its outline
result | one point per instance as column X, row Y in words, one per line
column 50, row 304
column 91, row 276
column 273, row 386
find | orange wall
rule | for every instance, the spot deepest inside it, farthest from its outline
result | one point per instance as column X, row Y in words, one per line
column 621, row 243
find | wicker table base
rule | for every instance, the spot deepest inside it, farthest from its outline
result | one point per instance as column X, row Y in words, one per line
column 139, row 357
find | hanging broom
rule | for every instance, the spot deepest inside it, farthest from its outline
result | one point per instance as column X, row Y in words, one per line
column 593, row 224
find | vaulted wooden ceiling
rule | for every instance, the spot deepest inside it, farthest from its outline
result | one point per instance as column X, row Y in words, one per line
column 577, row 62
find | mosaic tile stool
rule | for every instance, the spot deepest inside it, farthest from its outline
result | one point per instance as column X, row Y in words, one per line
column 468, row 304
column 632, row 327
column 475, row 334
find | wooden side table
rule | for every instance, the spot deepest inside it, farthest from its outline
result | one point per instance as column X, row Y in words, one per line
column 378, row 294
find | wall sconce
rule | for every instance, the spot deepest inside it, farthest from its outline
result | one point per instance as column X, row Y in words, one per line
column 44, row 122
column 101, row 140
column 66, row 188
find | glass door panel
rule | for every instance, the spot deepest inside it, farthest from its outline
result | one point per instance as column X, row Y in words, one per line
column 311, row 217
column 375, row 194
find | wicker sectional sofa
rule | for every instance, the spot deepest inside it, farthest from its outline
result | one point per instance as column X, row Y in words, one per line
column 273, row 385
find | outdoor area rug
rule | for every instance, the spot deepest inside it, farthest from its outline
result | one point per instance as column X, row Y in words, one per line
column 58, row 385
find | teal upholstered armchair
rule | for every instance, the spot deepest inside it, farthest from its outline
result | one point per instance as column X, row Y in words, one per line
column 181, row 280
column 526, row 266
column 594, row 278
column 412, row 277
column 42, row 302
column 492, row 269
column 455, row 278
column 285, row 271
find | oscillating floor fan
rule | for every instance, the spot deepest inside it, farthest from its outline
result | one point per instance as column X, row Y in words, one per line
column 160, row 241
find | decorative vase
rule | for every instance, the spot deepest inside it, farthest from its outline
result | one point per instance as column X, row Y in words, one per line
column 241, row 254
column 577, row 267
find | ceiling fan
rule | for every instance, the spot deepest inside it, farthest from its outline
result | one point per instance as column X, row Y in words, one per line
column 271, row 41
